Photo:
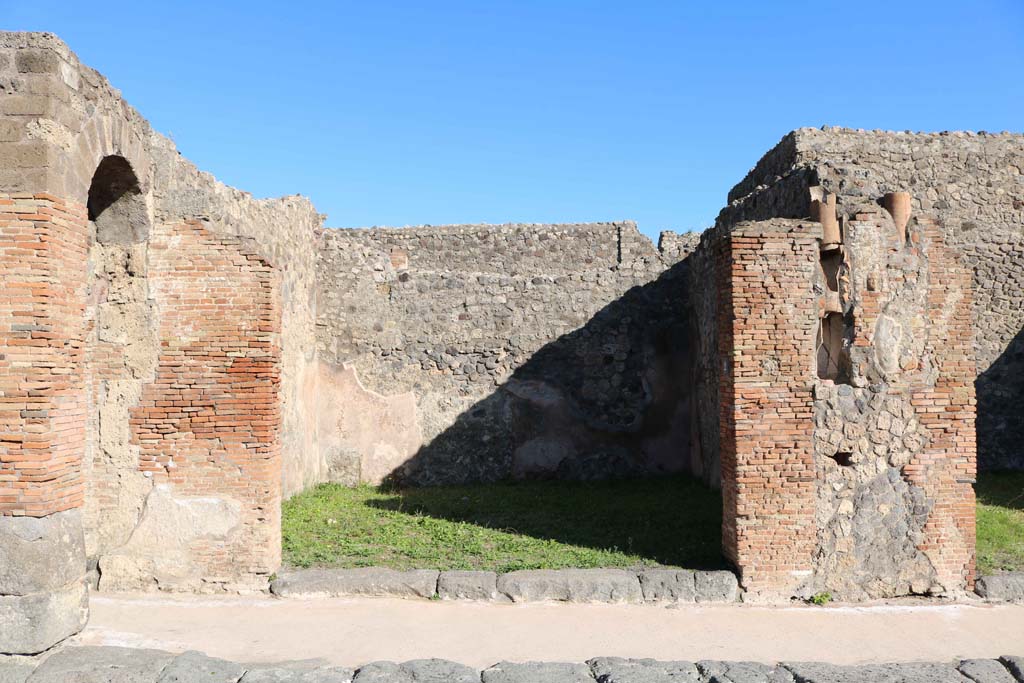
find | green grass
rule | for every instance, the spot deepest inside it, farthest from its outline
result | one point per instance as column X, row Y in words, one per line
column 534, row 525
column 504, row 527
column 1000, row 522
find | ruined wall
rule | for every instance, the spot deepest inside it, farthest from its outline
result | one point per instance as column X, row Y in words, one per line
column 894, row 429
column 65, row 132
column 847, row 402
column 974, row 184
column 206, row 428
column 475, row 353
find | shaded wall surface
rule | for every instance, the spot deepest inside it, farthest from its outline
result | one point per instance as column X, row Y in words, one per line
column 479, row 352
column 974, row 184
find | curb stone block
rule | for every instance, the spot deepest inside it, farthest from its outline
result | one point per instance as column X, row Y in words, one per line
column 813, row 672
column 1007, row 587
column 15, row 670
column 619, row 670
column 674, row 585
column 369, row 581
column 716, row 586
column 537, row 672
column 468, row 585
column 297, row 673
column 1015, row 665
column 30, row 624
column 743, row 672
column 89, row 664
column 193, row 666
column 571, row 585
column 985, row 671
column 417, row 671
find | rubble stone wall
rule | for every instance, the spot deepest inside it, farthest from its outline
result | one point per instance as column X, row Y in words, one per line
column 476, row 353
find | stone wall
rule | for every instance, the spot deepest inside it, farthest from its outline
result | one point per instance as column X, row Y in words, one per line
column 974, row 184
column 476, row 353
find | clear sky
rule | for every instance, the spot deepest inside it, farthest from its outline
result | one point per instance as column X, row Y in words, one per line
column 397, row 113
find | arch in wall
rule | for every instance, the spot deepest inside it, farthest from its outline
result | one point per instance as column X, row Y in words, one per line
column 117, row 204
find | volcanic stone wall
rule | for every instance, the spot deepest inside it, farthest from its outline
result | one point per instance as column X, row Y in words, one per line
column 974, row 184
column 479, row 352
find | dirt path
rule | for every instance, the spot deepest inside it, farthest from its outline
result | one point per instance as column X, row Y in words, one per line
column 353, row 632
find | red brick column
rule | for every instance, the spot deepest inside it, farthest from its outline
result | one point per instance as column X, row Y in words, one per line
column 43, row 260
column 947, row 465
column 209, row 423
column 766, row 330
column 43, row 257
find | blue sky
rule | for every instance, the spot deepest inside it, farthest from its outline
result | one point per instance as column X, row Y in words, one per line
column 396, row 113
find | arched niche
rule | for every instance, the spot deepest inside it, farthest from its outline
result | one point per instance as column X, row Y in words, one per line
column 116, row 203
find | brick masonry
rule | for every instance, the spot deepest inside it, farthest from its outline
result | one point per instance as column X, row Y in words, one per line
column 43, row 243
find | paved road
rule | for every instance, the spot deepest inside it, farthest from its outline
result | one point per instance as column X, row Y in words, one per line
column 351, row 632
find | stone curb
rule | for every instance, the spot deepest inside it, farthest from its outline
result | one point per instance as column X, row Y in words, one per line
column 104, row 664
column 531, row 585
column 1007, row 587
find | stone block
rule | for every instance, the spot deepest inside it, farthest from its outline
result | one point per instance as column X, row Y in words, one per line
column 11, row 130
column 16, row 669
column 537, row 672
column 1007, row 587
column 33, row 623
column 914, row 672
column 26, row 105
column 195, row 666
column 468, row 585
column 571, row 585
column 24, row 154
column 716, row 586
column 37, row 62
column 369, row 581
column 297, row 672
column 1015, row 665
column 39, row 554
column 743, row 672
column 619, row 670
column 417, row 671
column 107, row 664
column 985, row 671
column 673, row 585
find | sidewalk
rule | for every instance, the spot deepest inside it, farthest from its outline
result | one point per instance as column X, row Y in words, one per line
column 351, row 632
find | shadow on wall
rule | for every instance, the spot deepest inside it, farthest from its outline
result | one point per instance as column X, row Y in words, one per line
column 611, row 399
column 1000, row 420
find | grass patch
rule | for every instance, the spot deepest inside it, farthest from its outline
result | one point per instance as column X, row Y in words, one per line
column 503, row 527
column 671, row 522
column 1000, row 522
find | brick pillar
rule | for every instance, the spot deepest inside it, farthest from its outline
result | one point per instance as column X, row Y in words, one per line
column 43, row 256
column 947, row 466
column 767, row 314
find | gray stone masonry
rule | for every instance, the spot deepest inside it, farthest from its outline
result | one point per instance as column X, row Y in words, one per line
column 532, row 585
column 126, row 665
column 1007, row 587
